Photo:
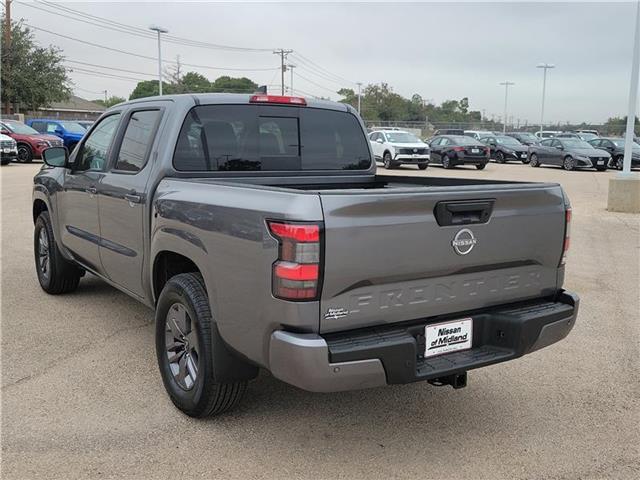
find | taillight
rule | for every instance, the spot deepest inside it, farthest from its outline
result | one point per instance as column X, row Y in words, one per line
column 277, row 99
column 567, row 236
column 296, row 273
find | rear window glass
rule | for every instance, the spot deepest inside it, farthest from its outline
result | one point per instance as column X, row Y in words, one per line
column 253, row 137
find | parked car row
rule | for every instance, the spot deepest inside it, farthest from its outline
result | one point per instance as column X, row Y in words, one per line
column 394, row 147
column 34, row 136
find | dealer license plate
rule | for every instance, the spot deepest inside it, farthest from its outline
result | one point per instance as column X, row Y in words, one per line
column 600, row 162
column 524, row 155
column 7, row 150
column 448, row 337
column 475, row 150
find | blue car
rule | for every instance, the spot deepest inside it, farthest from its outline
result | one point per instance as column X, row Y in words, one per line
column 70, row 132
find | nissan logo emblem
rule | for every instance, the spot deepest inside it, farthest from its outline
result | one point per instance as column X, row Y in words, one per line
column 463, row 242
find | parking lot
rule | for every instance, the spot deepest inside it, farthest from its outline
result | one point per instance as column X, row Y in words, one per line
column 82, row 398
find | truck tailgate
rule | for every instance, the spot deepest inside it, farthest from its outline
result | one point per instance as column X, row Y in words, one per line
column 387, row 258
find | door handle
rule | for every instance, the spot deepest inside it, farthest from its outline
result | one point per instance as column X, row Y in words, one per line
column 133, row 198
column 91, row 190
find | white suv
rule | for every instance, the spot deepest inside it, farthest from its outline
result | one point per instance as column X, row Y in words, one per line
column 395, row 147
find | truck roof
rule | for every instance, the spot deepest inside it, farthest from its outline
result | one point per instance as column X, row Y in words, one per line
column 235, row 98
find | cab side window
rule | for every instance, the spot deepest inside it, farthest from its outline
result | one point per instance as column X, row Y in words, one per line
column 94, row 151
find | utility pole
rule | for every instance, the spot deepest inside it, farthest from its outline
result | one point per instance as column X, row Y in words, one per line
column 506, row 84
column 545, row 66
column 283, row 54
column 105, row 97
column 160, row 30
column 7, row 44
column 291, row 67
column 359, row 95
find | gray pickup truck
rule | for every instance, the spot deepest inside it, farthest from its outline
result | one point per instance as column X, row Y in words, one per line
column 259, row 231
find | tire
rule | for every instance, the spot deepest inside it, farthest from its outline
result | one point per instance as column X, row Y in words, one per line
column 618, row 162
column 446, row 162
column 423, row 166
column 481, row 166
column 568, row 163
column 387, row 161
column 55, row 274
column 500, row 157
column 533, row 161
column 189, row 380
column 25, row 154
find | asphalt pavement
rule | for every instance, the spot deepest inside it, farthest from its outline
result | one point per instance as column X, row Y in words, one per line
column 82, row 397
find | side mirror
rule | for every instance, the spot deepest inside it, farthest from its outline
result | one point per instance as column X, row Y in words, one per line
column 379, row 140
column 4, row 132
column 56, row 156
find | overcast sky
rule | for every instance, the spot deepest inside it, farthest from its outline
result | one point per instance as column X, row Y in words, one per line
column 441, row 51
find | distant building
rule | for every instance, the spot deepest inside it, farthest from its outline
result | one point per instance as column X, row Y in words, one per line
column 75, row 108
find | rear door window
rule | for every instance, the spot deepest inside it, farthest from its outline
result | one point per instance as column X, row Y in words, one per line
column 137, row 140
column 270, row 138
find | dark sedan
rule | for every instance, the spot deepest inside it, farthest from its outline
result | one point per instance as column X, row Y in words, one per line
column 452, row 150
column 615, row 147
column 504, row 148
column 525, row 138
column 568, row 153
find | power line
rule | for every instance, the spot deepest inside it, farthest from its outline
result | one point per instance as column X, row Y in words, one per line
column 147, row 57
column 110, row 68
column 317, row 84
column 139, row 31
column 318, row 67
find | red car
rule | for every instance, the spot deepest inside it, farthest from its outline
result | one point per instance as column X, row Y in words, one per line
column 30, row 142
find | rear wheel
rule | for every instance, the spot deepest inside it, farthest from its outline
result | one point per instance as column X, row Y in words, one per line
column 25, row 154
column 481, row 166
column 184, row 349
column 500, row 157
column 55, row 274
column 423, row 166
column 534, row 160
column 569, row 163
column 446, row 162
column 386, row 160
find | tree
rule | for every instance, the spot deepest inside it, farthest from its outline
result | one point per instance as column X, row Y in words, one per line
column 111, row 101
column 194, row 82
column 233, row 85
column 32, row 76
column 149, row 88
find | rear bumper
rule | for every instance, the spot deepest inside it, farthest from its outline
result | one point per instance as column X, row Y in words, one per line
column 466, row 160
column 372, row 357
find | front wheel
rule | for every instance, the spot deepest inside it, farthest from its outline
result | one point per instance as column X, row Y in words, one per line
column 534, row 160
column 423, row 166
column 481, row 166
column 569, row 163
column 184, row 349
column 55, row 274
column 618, row 162
column 25, row 154
column 386, row 160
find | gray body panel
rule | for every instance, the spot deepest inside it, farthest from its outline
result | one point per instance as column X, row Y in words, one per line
column 381, row 244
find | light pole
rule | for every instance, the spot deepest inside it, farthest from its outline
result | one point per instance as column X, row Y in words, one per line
column 506, row 84
column 160, row 30
column 545, row 66
column 291, row 67
column 633, row 98
column 359, row 94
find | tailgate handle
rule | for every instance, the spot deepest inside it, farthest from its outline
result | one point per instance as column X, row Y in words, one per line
column 463, row 212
